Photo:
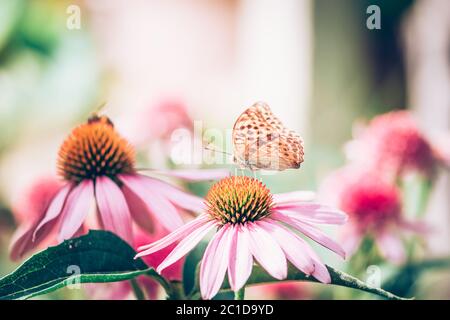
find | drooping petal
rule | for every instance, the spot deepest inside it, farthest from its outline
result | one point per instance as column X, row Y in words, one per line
column 113, row 208
column 266, row 251
column 195, row 174
column 391, row 247
column 177, row 196
column 174, row 236
column 54, row 209
column 161, row 208
column 139, row 211
column 186, row 245
column 240, row 260
column 78, row 205
column 293, row 197
column 313, row 213
column 311, row 232
column 292, row 245
column 215, row 262
column 24, row 240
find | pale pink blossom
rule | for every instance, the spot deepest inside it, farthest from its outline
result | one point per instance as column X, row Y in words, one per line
column 252, row 225
column 102, row 189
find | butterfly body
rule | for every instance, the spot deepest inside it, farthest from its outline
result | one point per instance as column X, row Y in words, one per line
column 261, row 141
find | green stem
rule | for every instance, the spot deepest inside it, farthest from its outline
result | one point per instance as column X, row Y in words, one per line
column 137, row 290
column 240, row 294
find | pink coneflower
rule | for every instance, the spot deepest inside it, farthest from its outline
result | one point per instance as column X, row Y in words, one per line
column 251, row 223
column 98, row 168
column 394, row 144
column 374, row 206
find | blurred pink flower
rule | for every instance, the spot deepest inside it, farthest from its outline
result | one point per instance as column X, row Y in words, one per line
column 287, row 290
column 122, row 290
column 28, row 212
column 97, row 165
column 374, row 206
column 251, row 223
column 394, row 144
column 158, row 122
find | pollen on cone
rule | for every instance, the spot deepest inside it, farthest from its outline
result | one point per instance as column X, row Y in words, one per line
column 238, row 200
column 95, row 149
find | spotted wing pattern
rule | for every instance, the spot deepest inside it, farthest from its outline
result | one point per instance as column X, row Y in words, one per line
column 261, row 141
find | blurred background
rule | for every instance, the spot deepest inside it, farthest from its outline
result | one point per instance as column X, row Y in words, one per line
column 201, row 63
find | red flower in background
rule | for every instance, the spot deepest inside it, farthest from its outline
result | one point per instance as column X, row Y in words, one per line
column 374, row 206
column 393, row 144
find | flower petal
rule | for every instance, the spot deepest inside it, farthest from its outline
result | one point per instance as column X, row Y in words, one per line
column 215, row 262
column 391, row 247
column 54, row 209
column 78, row 204
column 313, row 212
column 195, row 174
column 138, row 210
column 293, row 197
column 311, row 232
column 159, row 206
column 177, row 196
column 113, row 208
column 266, row 251
column 186, row 245
column 292, row 245
column 173, row 236
column 240, row 260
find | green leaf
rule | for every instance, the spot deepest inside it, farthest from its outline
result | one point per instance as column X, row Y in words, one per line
column 338, row 278
column 99, row 256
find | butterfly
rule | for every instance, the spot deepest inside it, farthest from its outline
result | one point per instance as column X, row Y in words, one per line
column 261, row 141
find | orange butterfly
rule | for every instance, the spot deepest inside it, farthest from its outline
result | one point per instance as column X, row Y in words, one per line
column 261, row 141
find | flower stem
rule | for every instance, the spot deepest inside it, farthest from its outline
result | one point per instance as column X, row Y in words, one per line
column 139, row 294
column 240, row 294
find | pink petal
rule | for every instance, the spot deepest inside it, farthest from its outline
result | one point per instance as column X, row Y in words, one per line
column 54, row 209
column 419, row 227
column 23, row 240
column 113, row 208
column 177, row 196
column 195, row 174
column 241, row 259
column 320, row 270
column 391, row 247
column 173, row 236
column 350, row 239
column 266, row 251
column 78, row 204
column 292, row 245
column 159, row 206
column 138, row 210
column 313, row 213
column 293, row 197
column 186, row 245
column 214, row 262
column 311, row 232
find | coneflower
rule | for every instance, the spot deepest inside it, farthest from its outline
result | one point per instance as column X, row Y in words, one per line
column 98, row 168
column 252, row 224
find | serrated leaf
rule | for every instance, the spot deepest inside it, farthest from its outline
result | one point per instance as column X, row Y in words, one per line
column 99, row 256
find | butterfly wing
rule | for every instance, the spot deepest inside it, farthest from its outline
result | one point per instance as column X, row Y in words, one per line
column 262, row 141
